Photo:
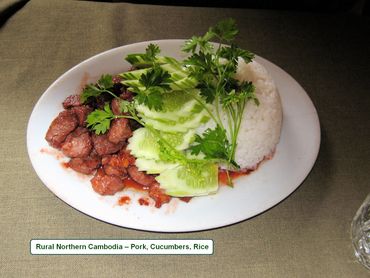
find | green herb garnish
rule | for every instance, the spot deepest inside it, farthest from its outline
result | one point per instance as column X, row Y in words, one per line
column 215, row 70
column 104, row 85
column 152, row 85
column 99, row 120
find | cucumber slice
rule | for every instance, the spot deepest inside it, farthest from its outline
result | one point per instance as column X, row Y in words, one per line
column 139, row 60
column 187, row 112
column 172, row 126
column 132, row 83
column 175, row 69
column 189, row 180
column 185, row 83
column 144, row 144
column 175, row 105
column 133, row 75
column 176, row 72
column 178, row 120
column 152, row 166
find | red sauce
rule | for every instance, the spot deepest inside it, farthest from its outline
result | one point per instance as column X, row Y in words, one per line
column 143, row 201
column 129, row 183
column 222, row 175
column 185, row 199
column 124, row 200
column 57, row 154
column 123, row 159
column 65, row 165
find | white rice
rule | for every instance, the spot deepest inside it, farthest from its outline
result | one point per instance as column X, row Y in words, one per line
column 261, row 125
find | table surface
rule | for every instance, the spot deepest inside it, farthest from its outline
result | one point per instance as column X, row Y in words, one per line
column 306, row 235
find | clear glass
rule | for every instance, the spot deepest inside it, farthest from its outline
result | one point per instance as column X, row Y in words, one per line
column 361, row 233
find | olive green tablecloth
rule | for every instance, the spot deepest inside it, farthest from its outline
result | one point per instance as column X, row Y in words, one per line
column 306, row 235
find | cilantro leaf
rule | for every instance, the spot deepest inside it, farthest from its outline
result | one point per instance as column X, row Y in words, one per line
column 202, row 67
column 233, row 52
column 155, row 77
column 191, row 44
column 231, row 98
column 104, row 84
column 126, row 106
column 201, row 60
column 144, row 60
column 152, row 51
column 244, row 92
column 152, row 85
column 247, row 90
column 199, row 42
column 89, row 91
column 99, row 120
column 207, row 91
column 213, row 144
column 225, row 29
column 151, row 98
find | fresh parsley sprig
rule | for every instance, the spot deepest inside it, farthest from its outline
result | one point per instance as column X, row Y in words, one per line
column 103, row 85
column 224, row 31
column 215, row 69
column 143, row 60
column 99, row 120
column 213, row 144
column 152, row 85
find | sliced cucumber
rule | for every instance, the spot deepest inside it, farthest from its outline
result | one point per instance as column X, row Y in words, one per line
column 152, row 166
column 176, row 104
column 144, row 144
column 132, row 83
column 180, row 141
column 175, row 69
column 189, row 180
column 176, row 72
column 139, row 60
column 185, row 83
column 134, row 74
column 172, row 126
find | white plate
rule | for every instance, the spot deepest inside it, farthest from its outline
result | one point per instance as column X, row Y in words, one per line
column 252, row 194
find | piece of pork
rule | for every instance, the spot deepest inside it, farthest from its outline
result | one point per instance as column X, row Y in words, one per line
column 106, row 184
column 60, row 127
column 71, row 101
column 86, row 165
column 119, row 130
column 81, row 113
column 103, row 146
column 113, row 165
column 78, row 143
column 139, row 176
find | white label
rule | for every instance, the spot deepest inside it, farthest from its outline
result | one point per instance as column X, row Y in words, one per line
column 121, row 247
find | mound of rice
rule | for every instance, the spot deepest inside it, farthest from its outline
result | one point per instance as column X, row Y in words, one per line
column 261, row 125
